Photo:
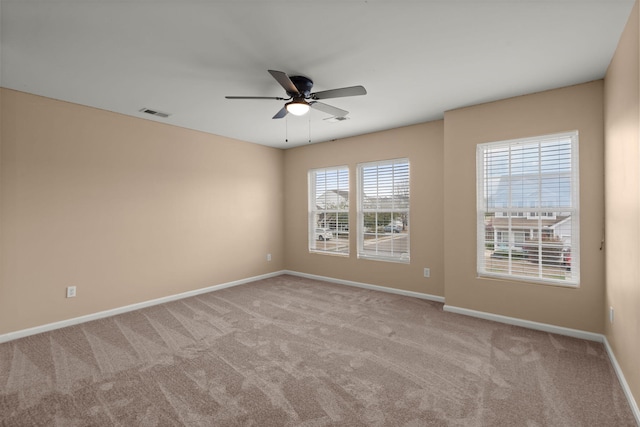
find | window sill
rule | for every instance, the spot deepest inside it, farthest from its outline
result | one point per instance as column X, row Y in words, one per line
column 529, row 280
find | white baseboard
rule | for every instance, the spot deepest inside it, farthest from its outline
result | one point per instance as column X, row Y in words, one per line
column 112, row 312
column 576, row 333
column 368, row 286
column 623, row 381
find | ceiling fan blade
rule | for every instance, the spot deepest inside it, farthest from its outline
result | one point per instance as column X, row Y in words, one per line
column 280, row 114
column 284, row 81
column 258, row 97
column 337, row 112
column 339, row 93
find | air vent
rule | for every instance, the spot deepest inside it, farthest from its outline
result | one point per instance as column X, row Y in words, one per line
column 336, row 119
column 154, row 112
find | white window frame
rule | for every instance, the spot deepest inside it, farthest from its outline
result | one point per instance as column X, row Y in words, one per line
column 376, row 244
column 337, row 239
column 493, row 159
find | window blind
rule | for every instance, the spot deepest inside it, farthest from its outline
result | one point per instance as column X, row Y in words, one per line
column 528, row 209
column 383, row 210
column 329, row 210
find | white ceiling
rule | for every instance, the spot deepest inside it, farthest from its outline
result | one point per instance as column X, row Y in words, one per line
column 416, row 59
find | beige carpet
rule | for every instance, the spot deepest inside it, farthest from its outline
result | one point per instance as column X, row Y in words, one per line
column 288, row 351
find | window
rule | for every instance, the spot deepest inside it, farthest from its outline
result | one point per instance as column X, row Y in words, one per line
column 329, row 210
column 528, row 210
column 383, row 210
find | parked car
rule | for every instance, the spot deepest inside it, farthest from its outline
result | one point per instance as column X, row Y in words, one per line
column 392, row 228
column 323, row 234
column 566, row 259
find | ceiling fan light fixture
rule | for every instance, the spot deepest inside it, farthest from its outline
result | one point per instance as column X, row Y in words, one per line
column 297, row 107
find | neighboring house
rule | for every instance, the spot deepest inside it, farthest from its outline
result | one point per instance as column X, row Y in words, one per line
column 333, row 199
column 515, row 231
column 562, row 229
column 337, row 203
column 533, row 209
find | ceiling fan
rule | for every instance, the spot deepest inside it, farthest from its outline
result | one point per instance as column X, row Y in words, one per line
column 301, row 98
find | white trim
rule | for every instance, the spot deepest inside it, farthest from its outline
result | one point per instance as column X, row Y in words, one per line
column 112, row 312
column 560, row 330
column 368, row 286
column 623, row 381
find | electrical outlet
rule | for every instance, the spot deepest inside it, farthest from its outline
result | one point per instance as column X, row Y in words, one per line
column 268, row 257
column 71, row 291
column 610, row 314
column 427, row 272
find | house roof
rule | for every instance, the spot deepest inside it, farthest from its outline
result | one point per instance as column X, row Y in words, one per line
column 342, row 193
column 416, row 59
column 332, row 198
column 546, row 190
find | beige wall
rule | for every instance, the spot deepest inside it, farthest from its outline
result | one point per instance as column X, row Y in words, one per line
column 572, row 108
column 422, row 145
column 622, row 148
column 126, row 209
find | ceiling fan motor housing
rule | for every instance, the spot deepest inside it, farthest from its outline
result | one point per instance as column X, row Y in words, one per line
column 304, row 85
